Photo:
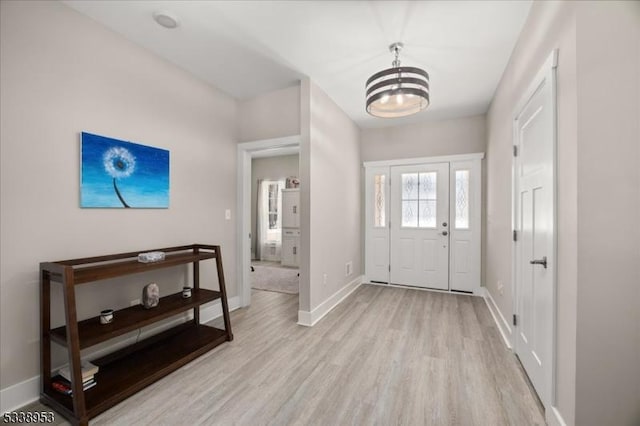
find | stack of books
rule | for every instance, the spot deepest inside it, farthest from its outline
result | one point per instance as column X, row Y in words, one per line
column 62, row 382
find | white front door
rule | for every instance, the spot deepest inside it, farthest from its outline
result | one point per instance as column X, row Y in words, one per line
column 420, row 225
column 535, row 234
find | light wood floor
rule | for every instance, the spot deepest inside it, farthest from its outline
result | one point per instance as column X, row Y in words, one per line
column 384, row 356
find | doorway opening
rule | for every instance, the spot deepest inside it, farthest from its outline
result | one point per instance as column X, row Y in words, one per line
column 275, row 223
column 268, row 251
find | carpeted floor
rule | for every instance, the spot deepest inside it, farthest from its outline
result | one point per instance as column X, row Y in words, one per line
column 272, row 276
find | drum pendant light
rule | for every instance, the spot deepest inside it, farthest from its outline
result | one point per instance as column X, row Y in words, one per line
column 397, row 91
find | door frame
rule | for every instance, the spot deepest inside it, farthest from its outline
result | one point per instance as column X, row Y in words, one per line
column 475, row 158
column 246, row 151
column 546, row 72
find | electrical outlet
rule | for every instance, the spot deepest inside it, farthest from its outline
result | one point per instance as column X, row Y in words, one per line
column 324, row 279
column 348, row 269
column 500, row 288
column 135, row 302
column 227, row 214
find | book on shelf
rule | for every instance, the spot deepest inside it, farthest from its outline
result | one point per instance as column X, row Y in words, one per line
column 63, row 386
column 88, row 371
column 88, row 381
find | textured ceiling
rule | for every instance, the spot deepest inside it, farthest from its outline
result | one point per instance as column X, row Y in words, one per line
column 246, row 48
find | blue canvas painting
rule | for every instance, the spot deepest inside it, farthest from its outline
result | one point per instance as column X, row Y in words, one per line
column 119, row 174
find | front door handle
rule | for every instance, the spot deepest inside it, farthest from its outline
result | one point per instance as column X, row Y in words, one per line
column 542, row 262
column 445, row 233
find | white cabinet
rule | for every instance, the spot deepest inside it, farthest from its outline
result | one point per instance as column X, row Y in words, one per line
column 290, row 247
column 290, row 227
column 291, row 208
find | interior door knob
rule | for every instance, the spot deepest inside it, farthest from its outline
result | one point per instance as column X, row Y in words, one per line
column 445, row 233
column 542, row 262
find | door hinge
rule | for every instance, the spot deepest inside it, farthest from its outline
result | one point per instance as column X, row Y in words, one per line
column 389, row 268
column 515, row 150
column 515, row 235
column 515, row 320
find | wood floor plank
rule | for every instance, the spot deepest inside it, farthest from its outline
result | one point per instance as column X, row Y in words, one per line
column 384, row 356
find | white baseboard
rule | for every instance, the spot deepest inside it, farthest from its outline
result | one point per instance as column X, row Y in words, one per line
column 503, row 325
column 304, row 318
column 214, row 311
column 309, row 319
column 28, row 391
column 20, row 394
column 479, row 292
column 554, row 418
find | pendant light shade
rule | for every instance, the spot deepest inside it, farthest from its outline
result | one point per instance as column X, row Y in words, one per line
column 397, row 91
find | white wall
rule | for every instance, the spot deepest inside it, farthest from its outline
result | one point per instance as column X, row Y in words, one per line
column 61, row 73
column 427, row 139
column 549, row 25
column 598, row 329
column 271, row 115
column 273, row 168
column 608, row 308
column 330, row 154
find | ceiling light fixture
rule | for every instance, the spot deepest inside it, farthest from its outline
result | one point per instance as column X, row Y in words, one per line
column 165, row 19
column 397, row 91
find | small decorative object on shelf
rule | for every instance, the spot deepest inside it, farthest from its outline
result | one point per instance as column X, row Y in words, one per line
column 106, row 316
column 152, row 256
column 292, row 182
column 186, row 292
column 150, row 295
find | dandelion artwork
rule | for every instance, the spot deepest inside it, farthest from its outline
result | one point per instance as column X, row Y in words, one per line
column 119, row 174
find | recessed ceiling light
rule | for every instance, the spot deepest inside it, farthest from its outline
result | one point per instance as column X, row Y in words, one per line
column 165, row 19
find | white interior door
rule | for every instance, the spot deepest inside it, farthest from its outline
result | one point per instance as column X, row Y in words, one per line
column 420, row 225
column 535, row 239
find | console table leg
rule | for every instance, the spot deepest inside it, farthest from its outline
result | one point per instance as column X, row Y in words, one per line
column 196, row 285
column 73, row 346
column 45, row 326
column 223, row 292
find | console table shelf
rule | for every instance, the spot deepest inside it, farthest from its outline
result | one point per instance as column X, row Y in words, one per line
column 126, row 372
column 130, row 369
column 118, row 268
column 91, row 332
